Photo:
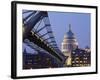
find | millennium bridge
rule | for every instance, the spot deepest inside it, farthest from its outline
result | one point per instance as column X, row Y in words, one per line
column 38, row 34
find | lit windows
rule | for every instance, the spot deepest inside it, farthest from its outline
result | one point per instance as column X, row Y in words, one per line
column 73, row 52
column 80, row 61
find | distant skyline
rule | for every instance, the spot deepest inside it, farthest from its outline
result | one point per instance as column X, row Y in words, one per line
column 80, row 24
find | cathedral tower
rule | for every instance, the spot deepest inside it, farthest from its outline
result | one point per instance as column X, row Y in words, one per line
column 69, row 43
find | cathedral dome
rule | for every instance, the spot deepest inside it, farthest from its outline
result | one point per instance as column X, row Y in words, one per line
column 70, row 34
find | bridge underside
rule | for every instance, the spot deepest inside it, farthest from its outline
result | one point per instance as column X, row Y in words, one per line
column 38, row 35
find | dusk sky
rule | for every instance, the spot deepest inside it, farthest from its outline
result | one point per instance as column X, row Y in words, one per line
column 80, row 25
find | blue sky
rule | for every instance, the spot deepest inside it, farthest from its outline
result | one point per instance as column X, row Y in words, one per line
column 80, row 24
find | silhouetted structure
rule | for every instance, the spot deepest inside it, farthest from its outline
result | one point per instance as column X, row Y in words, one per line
column 39, row 60
column 38, row 35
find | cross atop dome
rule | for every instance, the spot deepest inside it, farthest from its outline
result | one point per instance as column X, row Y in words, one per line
column 70, row 34
column 69, row 27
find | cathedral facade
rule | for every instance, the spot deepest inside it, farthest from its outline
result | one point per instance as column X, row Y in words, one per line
column 68, row 44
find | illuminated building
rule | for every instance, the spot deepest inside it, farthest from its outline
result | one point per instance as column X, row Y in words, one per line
column 87, row 49
column 69, row 43
column 77, row 57
column 80, row 58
